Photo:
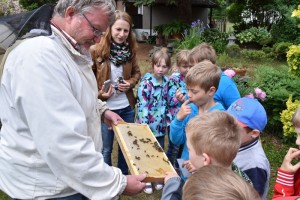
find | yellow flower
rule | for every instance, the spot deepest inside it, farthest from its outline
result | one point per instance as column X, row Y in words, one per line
column 286, row 117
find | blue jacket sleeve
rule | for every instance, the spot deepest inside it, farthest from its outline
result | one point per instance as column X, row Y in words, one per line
column 143, row 96
column 259, row 179
column 230, row 95
column 177, row 131
column 173, row 189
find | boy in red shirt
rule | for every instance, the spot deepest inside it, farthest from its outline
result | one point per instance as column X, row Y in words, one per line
column 287, row 184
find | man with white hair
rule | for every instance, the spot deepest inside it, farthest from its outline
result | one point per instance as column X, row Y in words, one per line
column 50, row 145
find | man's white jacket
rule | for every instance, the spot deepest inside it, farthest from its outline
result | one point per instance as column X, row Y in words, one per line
column 50, row 140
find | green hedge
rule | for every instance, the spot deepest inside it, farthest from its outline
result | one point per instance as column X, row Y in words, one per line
column 278, row 85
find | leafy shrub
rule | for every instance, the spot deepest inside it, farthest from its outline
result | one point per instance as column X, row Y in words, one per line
column 286, row 30
column 170, row 29
column 293, row 60
column 233, row 51
column 151, row 39
column 173, row 28
column 280, row 49
column 268, row 51
column 296, row 13
column 192, row 36
column 253, row 54
column 293, row 55
column 286, row 118
column 216, row 38
column 198, row 33
column 278, row 85
column 258, row 35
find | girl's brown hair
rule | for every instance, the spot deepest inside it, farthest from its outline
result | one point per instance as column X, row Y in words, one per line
column 158, row 55
column 296, row 118
column 103, row 48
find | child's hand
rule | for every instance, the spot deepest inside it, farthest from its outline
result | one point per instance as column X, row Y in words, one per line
column 287, row 165
column 174, row 69
column 124, row 87
column 189, row 166
column 179, row 96
column 170, row 175
column 184, row 110
column 107, row 94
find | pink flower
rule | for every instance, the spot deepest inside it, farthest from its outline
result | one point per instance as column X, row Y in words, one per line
column 230, row 73
column 260, row 94
column 257, row 91
column 250, row 95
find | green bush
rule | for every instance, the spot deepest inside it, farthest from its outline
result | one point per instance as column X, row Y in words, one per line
column 192, row 36
column 268, row 51
column 280, row 49
column 278, row 85
column 199, row 33
column 253, row 54
column 258, row 35
column 285, row 30
column 293, row 60
column 233, row 51
column 216, row 38
column 173, row 28
column 286, row 119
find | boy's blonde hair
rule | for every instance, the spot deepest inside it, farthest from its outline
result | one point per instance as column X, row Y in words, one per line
column 158, row 55
column 296, row 118
column 215, row 182
column 182, row 57
column 217, row 134
column 202, row 52
column 204, row 74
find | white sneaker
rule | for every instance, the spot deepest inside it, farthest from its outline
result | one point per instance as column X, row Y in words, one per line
column 148, row 189
column 158, row 186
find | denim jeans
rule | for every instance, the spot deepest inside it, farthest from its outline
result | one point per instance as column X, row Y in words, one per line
column 72, row 197
column 172, row 151
column 127, row 115
column 161, row 141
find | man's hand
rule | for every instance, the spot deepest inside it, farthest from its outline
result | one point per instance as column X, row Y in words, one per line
column 287, row 166
column 134, row 184
column 111, row 118
column 184, row 110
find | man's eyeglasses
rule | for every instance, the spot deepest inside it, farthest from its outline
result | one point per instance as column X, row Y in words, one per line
column 97, row 32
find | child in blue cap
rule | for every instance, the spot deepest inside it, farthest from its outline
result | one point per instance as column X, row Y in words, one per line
column 251, row 157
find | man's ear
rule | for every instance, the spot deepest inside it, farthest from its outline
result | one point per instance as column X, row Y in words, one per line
column 254, row 133
column 206, row 159
column 70, row 12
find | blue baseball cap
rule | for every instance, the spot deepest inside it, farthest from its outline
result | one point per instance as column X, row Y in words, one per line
column 249, row 113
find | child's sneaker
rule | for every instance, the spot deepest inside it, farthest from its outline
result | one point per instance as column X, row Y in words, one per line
column 158, row 186
column 148, row 189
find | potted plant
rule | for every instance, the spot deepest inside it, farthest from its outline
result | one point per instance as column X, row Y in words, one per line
column 174, row 29
column 160, row 39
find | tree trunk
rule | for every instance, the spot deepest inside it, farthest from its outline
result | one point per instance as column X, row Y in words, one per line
column 185, row 10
